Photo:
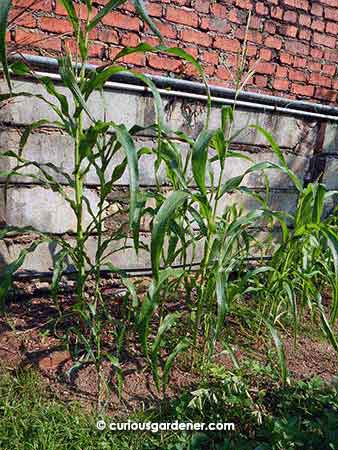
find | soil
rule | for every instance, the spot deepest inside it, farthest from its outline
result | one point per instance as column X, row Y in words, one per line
column 29, row 338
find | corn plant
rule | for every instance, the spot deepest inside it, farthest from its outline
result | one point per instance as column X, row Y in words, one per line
column 304, row 264
column 94, row 147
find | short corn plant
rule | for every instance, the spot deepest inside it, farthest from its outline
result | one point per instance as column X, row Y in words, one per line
column 305, row 264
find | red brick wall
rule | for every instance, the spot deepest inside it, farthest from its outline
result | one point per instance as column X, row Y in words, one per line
column 292, row 44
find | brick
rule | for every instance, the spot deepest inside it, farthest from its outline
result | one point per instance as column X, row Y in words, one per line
column 129, row 39
column 232, row 60
column 296, row 75
column 251, row 50
column 331, row 14
column 215, row 24
column 332, row 27
column 202, row 6
column 320, row 80
column 329, row 2
column 281, row 72
column 167, row 30
column 193, row 51
column 280, row 84
column 313, row 66
column 227, row 44
column 137, row 59
column 55, row 25
column 304, row 20
column 196, row 37
column 219, row 10
column 276, row 12
column 261, row 9
column 329, row 69
column 128, row 6
column 251, row 36
column 273, row 42
column 263, row 67
column 269, row 27
column 265, row 54
column 256, row 23
column 324, row 39
column 24, row 20
column 288, row 30
column 210, row 57
column 317, row 9
column 316, row 52
column 182, row 16
column 331, row 55
column 154, row 9
column 325, row 94
column 302, row 90
column 261, row 81
column 299, row 62
column 335, row 84
column 318, row 25
column 37, row 39
column 159, row 62
column 233, row 16
column 39, row 5
column 245, row 4
column 81, row 11
column 290, row 16
column 304, row 35
column 223, row 73
column 96, row 50
column 119, row 20
column 297, row 47
column 286, row 58
column 299, row 4
column 208, row 70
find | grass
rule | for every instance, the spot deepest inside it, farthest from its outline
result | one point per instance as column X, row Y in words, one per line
column 302, row 415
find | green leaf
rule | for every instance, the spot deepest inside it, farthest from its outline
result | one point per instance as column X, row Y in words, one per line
column 58, row 269
column 166, row 324
column 222, row 301
column 10, row 269
column 328, row 331
column 280, row 350
column 112, row 4
column 20, row 68
column 142, row 12
column 4, row 11
column 160, row 224
column 273, row 143
column 200, row 157
column 180, row 348
column 68, row 77
column 25, row 135
column 127, row 143
column 319, row 203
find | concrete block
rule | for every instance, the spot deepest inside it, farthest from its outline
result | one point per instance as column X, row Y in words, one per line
column 119, row 107
column 330, row 177
column 43, row 209
column 46, row 146
column 330, row 144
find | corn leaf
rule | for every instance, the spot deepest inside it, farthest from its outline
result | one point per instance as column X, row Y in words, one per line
column 4, row 11
column 164, row 214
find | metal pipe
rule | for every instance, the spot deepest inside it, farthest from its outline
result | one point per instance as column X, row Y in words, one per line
column 194, row 90
column 216, row 100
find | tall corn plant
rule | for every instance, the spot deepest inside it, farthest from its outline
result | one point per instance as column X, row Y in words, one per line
column 94, row 147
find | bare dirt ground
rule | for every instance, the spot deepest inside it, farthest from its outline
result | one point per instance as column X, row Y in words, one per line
column 27, row 340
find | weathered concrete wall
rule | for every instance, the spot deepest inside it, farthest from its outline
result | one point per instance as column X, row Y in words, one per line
column 29, row 203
